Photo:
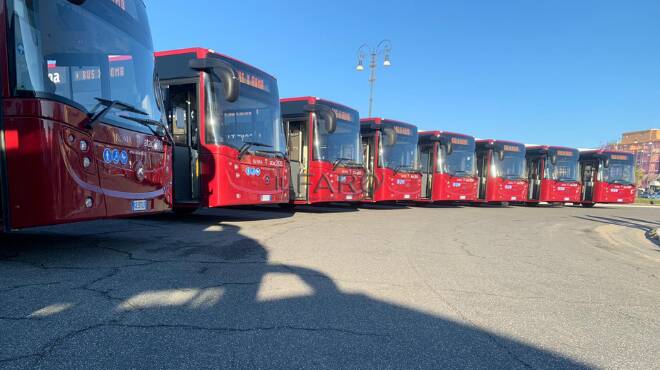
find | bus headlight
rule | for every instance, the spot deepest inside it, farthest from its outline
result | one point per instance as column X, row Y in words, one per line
column 87, row 162
column 89, row 202
column 83, row 146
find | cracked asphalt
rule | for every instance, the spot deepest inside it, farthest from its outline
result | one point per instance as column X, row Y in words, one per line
column 335, row 287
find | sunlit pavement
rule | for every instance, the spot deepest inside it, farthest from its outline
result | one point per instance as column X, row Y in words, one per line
column 395, row 287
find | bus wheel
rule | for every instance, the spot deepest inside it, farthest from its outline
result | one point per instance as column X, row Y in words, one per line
column 532, row 204
column 588, row 205
column 184, row 211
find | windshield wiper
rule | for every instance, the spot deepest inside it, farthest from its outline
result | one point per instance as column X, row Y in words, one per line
column 273, row 153
column 410, row 169
column 249, row 144
column 339, row 161
column 110, row 105
column 149, row 123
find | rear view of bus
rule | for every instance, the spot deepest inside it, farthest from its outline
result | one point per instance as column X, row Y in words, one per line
column 447, row 162
column 501, row 169
column 553, row 174
column 225, row 118
column 324, row 151
column 607, row 177
column 390, row 153
column 81, row 136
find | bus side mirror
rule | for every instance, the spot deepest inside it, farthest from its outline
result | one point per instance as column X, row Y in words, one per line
column 607, row 163
column 450, row 148
column 553, row 159
column 223, row 71
column 500, row 154
column 326, row 114
column 390, row 136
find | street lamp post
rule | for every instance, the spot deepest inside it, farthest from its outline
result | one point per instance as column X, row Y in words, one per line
column 384, row 47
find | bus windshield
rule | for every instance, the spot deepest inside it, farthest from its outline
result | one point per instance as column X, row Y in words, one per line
column 512, row 167
column 254, row 119
column 79, row 54
column 402, row 156
column 460, row 163
column 565, row 169
column 342, row 145
column 619, row 172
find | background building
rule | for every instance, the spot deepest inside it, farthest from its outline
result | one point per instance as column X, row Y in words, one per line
column 646, row 146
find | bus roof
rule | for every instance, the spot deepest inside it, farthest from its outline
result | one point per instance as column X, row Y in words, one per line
column 443, row 133
column 603, row 152
column 382, row 121
column 314, row 100
column 493, row 142
column 203, row 53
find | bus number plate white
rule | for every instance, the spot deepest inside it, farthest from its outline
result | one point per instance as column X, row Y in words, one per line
column 139, row 205
column 266, row 198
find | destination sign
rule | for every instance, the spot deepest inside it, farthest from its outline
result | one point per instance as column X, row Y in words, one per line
column 344, row 116
column 459, row 141
column 565, row 153
column 619, row 157
column 253, row 81
column 402, row 130
column 512, row 148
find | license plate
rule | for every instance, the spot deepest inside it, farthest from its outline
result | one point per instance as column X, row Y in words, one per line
column 567, row 199
column 400, row 182
column 456, row 184
column 266, row 198
column 349, row 197
column 620, row 200
column 614, row 190
column 561, row 188
column 508, row 187
column 139, row 205
column 407, row 196
column 463, row 197
column 514, row 198
column 341, row 179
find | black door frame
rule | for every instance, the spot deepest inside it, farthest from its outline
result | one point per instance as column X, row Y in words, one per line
column 194, row 178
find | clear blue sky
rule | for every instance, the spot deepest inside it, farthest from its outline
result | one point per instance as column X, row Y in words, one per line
column 564, row 72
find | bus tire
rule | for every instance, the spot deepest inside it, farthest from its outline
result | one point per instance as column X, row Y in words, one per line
column 588, row 205
column 532, row 204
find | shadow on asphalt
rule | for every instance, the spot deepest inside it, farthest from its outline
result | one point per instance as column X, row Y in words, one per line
column 646, row 226
column 198, row 298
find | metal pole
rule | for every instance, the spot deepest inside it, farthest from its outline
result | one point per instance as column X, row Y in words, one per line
column 372, row 81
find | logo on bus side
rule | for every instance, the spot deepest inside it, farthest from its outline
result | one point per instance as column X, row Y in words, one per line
column 250, row 171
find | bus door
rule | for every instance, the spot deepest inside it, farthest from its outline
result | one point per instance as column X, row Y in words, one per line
column 182, row 112
column 369, row 155
column 298, row 157
column 426, row 162
column 535, row 176
column 482, row 172
column 588, row 178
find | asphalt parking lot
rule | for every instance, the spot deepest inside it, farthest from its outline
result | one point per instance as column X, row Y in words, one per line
column 377, row 287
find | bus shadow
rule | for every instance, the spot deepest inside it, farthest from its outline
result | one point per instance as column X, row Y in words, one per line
column 646, row 226
column 196, row 296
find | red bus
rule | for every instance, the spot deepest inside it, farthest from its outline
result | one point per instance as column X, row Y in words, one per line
column 229, row 140
column 390, row 153
column 607, row 177
column 81, row 136
column 553, row 175
column 447, row 161
column 501, row 169
column 325, row 151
